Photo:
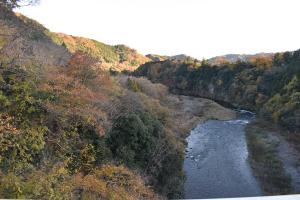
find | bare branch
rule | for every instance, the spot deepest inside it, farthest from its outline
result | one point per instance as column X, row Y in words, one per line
column 11, row 4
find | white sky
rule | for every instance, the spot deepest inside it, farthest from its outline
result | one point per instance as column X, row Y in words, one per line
column 199, row 28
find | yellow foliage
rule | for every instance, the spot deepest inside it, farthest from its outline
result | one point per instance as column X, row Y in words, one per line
column 113, row 182
column 6, row 125
column 2, row 42
column 275, row 116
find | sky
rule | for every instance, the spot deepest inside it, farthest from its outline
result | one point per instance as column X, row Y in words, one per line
column 199, row 28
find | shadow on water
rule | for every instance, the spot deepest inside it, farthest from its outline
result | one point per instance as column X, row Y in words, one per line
column 216, row 164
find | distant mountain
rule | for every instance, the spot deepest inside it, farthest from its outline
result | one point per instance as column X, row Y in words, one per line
column 176, row 58
column 181, row 57
column 156, row 57
column 229, row 58
column 233, row 58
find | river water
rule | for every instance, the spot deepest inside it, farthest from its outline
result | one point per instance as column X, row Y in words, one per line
column 216, row 164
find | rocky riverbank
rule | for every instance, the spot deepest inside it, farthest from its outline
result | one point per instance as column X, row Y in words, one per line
column 274, row 160
column 190, row 111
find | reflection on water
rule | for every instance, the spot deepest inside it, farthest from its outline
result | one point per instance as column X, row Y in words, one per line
column 216, row 160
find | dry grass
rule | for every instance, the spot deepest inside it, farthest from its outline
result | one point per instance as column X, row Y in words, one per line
column 265, row 162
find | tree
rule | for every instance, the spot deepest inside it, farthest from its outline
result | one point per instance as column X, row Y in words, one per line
column 83, row 68
column 134, row 137
column 11, row 4
column 133, row 85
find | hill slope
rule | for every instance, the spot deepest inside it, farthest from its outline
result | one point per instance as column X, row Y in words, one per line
column 29, row 42
column 269, row 87
column 118, row 58
column 71, row 130
column 58, row 114
column 25, row 42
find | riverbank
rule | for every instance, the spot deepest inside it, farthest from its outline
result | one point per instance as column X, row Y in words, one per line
column 183, row 112
column 273, row 153
column 190, row 111
column 216, row 162
column 275, row 162
column 179, row 114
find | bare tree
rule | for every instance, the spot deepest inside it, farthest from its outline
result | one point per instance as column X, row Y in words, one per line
column 11, row 4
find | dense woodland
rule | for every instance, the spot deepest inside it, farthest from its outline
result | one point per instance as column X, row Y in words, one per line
column 69, row 129
column 269, row 86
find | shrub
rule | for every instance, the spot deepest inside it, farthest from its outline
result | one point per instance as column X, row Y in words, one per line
column 133, row 137
column 133, row 85
column 113, row 182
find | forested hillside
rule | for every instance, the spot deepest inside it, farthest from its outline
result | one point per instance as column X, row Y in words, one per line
column 68, row 129
column 19, row 33
column 116, row 58
column 269, row 87
column 72, row 128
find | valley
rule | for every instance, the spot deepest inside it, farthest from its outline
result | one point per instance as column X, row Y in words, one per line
column 81, row 119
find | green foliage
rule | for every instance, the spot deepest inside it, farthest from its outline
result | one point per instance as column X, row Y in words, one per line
column 269, row 90
column 133, row 85
column 38, row 132
column 21, row 145
column 21, row 151
column 52, row 184
column 284, row 108
column 19, row 95
column 84, row 160
column 139, row 140
column 293, row 85
column 53, row 121
column 134, row 63
column 77, row 143
column 122, row 52
column 107, row 52
column 28, row 131
column 133, row 137
column 93, row 48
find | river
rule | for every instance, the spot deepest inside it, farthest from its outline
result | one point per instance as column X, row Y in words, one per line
column 216, row 163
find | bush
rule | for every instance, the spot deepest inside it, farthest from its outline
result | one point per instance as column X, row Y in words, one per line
column 133, row 138
column 113, row 182
column 139, row 141
column 133, row 85
column 22, row 136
